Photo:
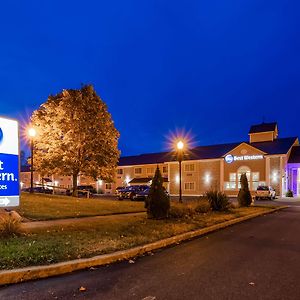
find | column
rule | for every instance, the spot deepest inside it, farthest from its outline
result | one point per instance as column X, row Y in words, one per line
column 222, row 175
column 267, row 171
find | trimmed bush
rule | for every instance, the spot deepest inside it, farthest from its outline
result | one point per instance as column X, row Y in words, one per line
column 10, row 226
column 218, row 201
column 289, row 193
column 157, row 202
column 244, row 196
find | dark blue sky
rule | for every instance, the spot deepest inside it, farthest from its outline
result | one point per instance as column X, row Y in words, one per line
column 211, row 67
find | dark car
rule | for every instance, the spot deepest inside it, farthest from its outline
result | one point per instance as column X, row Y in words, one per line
column 39, row 189
column 143, row 194
column 82, row 190
column 130, row 191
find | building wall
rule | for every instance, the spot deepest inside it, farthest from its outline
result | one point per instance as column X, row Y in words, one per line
column 275, row 174
column 204, row 176
column 262, row 136
column 255, row 167
column 147, row 171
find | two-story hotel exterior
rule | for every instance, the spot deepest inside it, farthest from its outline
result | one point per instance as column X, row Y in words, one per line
column 265, row 158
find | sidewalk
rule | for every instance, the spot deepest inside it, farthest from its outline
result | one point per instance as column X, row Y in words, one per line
column 74, row 221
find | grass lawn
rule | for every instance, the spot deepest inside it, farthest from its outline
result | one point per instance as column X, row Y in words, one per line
column 101, row 236
column 49, row 207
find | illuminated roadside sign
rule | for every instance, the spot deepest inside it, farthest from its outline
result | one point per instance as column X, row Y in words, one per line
column 231, row 158
column 9, row 163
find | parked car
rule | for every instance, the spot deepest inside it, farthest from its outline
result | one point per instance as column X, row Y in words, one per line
column 82, row 190
column 119, row 189
column 130, row 191
column 265, row 192
column 143, row 194
column 39, row 189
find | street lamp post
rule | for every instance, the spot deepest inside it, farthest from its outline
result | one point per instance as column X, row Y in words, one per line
column 180, row 146
column 32, row 134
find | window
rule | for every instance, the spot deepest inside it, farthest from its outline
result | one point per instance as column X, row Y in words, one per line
column 138, row 171
column 189, row 186
column 120, row 171
column 189, row 167
column 165, row 169
column 150, row 170
column 108, row 186
column 231, row 184
column 255, row 180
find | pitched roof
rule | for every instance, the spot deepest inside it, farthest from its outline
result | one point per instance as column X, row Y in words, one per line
column 278, row 146
column 295, row 155
column 263, row 127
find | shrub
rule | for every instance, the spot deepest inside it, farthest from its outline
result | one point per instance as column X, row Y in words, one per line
column 244, row 196
column 189, row 210
column 218, row 201
column 9, row 226
column 289, row 193
column 180, row 211
column 157, row 202
column 202, row 206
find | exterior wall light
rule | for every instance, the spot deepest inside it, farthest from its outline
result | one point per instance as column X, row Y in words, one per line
column 207, row 178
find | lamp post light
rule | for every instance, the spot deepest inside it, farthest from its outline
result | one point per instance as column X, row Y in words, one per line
column 180, row 146
column 31, row 134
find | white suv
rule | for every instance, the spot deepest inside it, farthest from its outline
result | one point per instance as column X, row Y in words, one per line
column 266, row 192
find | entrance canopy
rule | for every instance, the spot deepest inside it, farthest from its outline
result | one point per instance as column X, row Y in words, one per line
column 143, row 180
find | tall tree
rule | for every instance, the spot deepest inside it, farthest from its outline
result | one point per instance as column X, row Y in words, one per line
column 157, row 202
column 75, row 135
column 244, row 195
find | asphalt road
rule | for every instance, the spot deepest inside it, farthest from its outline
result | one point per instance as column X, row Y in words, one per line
column 257, row 259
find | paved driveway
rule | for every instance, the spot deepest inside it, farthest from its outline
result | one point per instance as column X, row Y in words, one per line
column 257, row 259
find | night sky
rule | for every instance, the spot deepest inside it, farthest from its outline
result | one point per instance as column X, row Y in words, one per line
column 209, row 67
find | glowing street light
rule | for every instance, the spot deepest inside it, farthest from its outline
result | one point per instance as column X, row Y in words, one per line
column 180, row 148
column 31, row 134
column 180, row 145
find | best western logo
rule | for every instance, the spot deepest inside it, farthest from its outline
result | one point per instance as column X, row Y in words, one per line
column 231, row 158
column 1, row 135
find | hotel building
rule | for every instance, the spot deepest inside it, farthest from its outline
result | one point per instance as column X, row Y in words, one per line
column 266, row 159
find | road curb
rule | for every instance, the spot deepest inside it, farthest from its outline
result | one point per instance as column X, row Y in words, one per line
column 38, row 272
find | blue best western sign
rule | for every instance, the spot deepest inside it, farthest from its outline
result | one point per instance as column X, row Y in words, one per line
column 9, row 163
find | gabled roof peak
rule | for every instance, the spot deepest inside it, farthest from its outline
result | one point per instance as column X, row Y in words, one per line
column 263, row 127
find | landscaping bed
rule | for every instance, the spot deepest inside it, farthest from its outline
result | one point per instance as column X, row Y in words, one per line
column 57, row 243
column 49, row 207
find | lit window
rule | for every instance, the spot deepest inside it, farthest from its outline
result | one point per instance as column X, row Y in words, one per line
column 165, row 169
column 108, row 186
column 150, row 170
column 189, row 167
column 189, row 186
column 255, row 180
column 138, row 171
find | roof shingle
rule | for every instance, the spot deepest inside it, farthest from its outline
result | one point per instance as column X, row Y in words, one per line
column 263, row 127
column 278, row 146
